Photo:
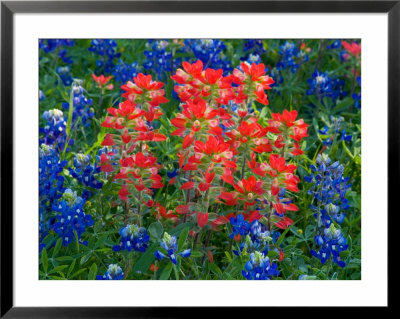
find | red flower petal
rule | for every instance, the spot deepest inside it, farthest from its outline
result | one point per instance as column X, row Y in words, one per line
column 187, row 185
column 202, row 219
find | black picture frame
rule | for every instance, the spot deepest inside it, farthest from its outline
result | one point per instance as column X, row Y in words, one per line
column 9, row 8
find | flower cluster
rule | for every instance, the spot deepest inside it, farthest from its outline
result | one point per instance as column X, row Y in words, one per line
column 57, row 45
column 322, row 85
column 114, row 272
column 211, row 153
column 54, row 131
column 258, row 241
column 170, row 249
column 260, row 267
column 106, row 50
column 159, row 57
column 64, row 72
column 133, row 237
column 332, row 242
column 211, row 52
column 51, row 185
column 130, row 159
column 72, row 218
column 102, row 81
column 335, row 44
column 352, row 49
column 85, row 172
column 291, row 57
column 254, row 46
column 50, row 178
column 123, row 72
column 329, row 192
column 199, row 168
column 329, row 134
column 357, row 96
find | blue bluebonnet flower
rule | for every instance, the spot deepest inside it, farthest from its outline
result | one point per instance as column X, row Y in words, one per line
column 331, row 243
column 253, row 50
column 50, row 178
column 239, row 226
column 329, row 133
column 335, row 44
column 259, row 267
column 54, row 131
column 84, row 172
column 254, row 58
column 71, row 218
column 82, row 108
column 51, row 186
column 257, row 238
column 322, row 85
column 291, row 57
column 255, row 46
column 170, row 249
column 106, row 49
column 124, row 72
column 329, row 191
column 259, row 233
column 211, row 52
column 329, row 184
column 58, row 45
column 65, row 74
column 357, row 96
column 158, row 57
column 345, row 136
column 172, row 174
column 41, row 95
column 133, row 237
column 114, row 272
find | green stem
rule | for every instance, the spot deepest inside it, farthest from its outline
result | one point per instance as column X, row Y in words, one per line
column 176, row 272
column 155, row 270
column 69, row 123
column 139, row 208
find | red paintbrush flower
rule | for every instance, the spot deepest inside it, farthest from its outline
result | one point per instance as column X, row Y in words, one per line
column 354, row 48
column 144, row 90
column 102, row 81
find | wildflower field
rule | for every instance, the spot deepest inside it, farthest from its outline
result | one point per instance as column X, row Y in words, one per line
column 199, row 159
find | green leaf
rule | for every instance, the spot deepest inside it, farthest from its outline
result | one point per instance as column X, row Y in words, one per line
column 182, row 238
column 228, row 255
column 357, row 159
column 92, row 272
column 71, row 268
column 263, row 112
column 77, row 241
column 64, row 258
column 177, row 230
column 145, row 260
column 343, row 104
column 272, row 253
column 57, row 247
column 85, row 258
column 77, row 273
column 215, row 269
column 166, row 272
column 156, row 229
column 196, row 254
column 282, row 237
column 58, row 269
column 44, row 260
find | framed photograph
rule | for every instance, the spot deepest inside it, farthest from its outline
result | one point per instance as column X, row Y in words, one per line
column 164, row 154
